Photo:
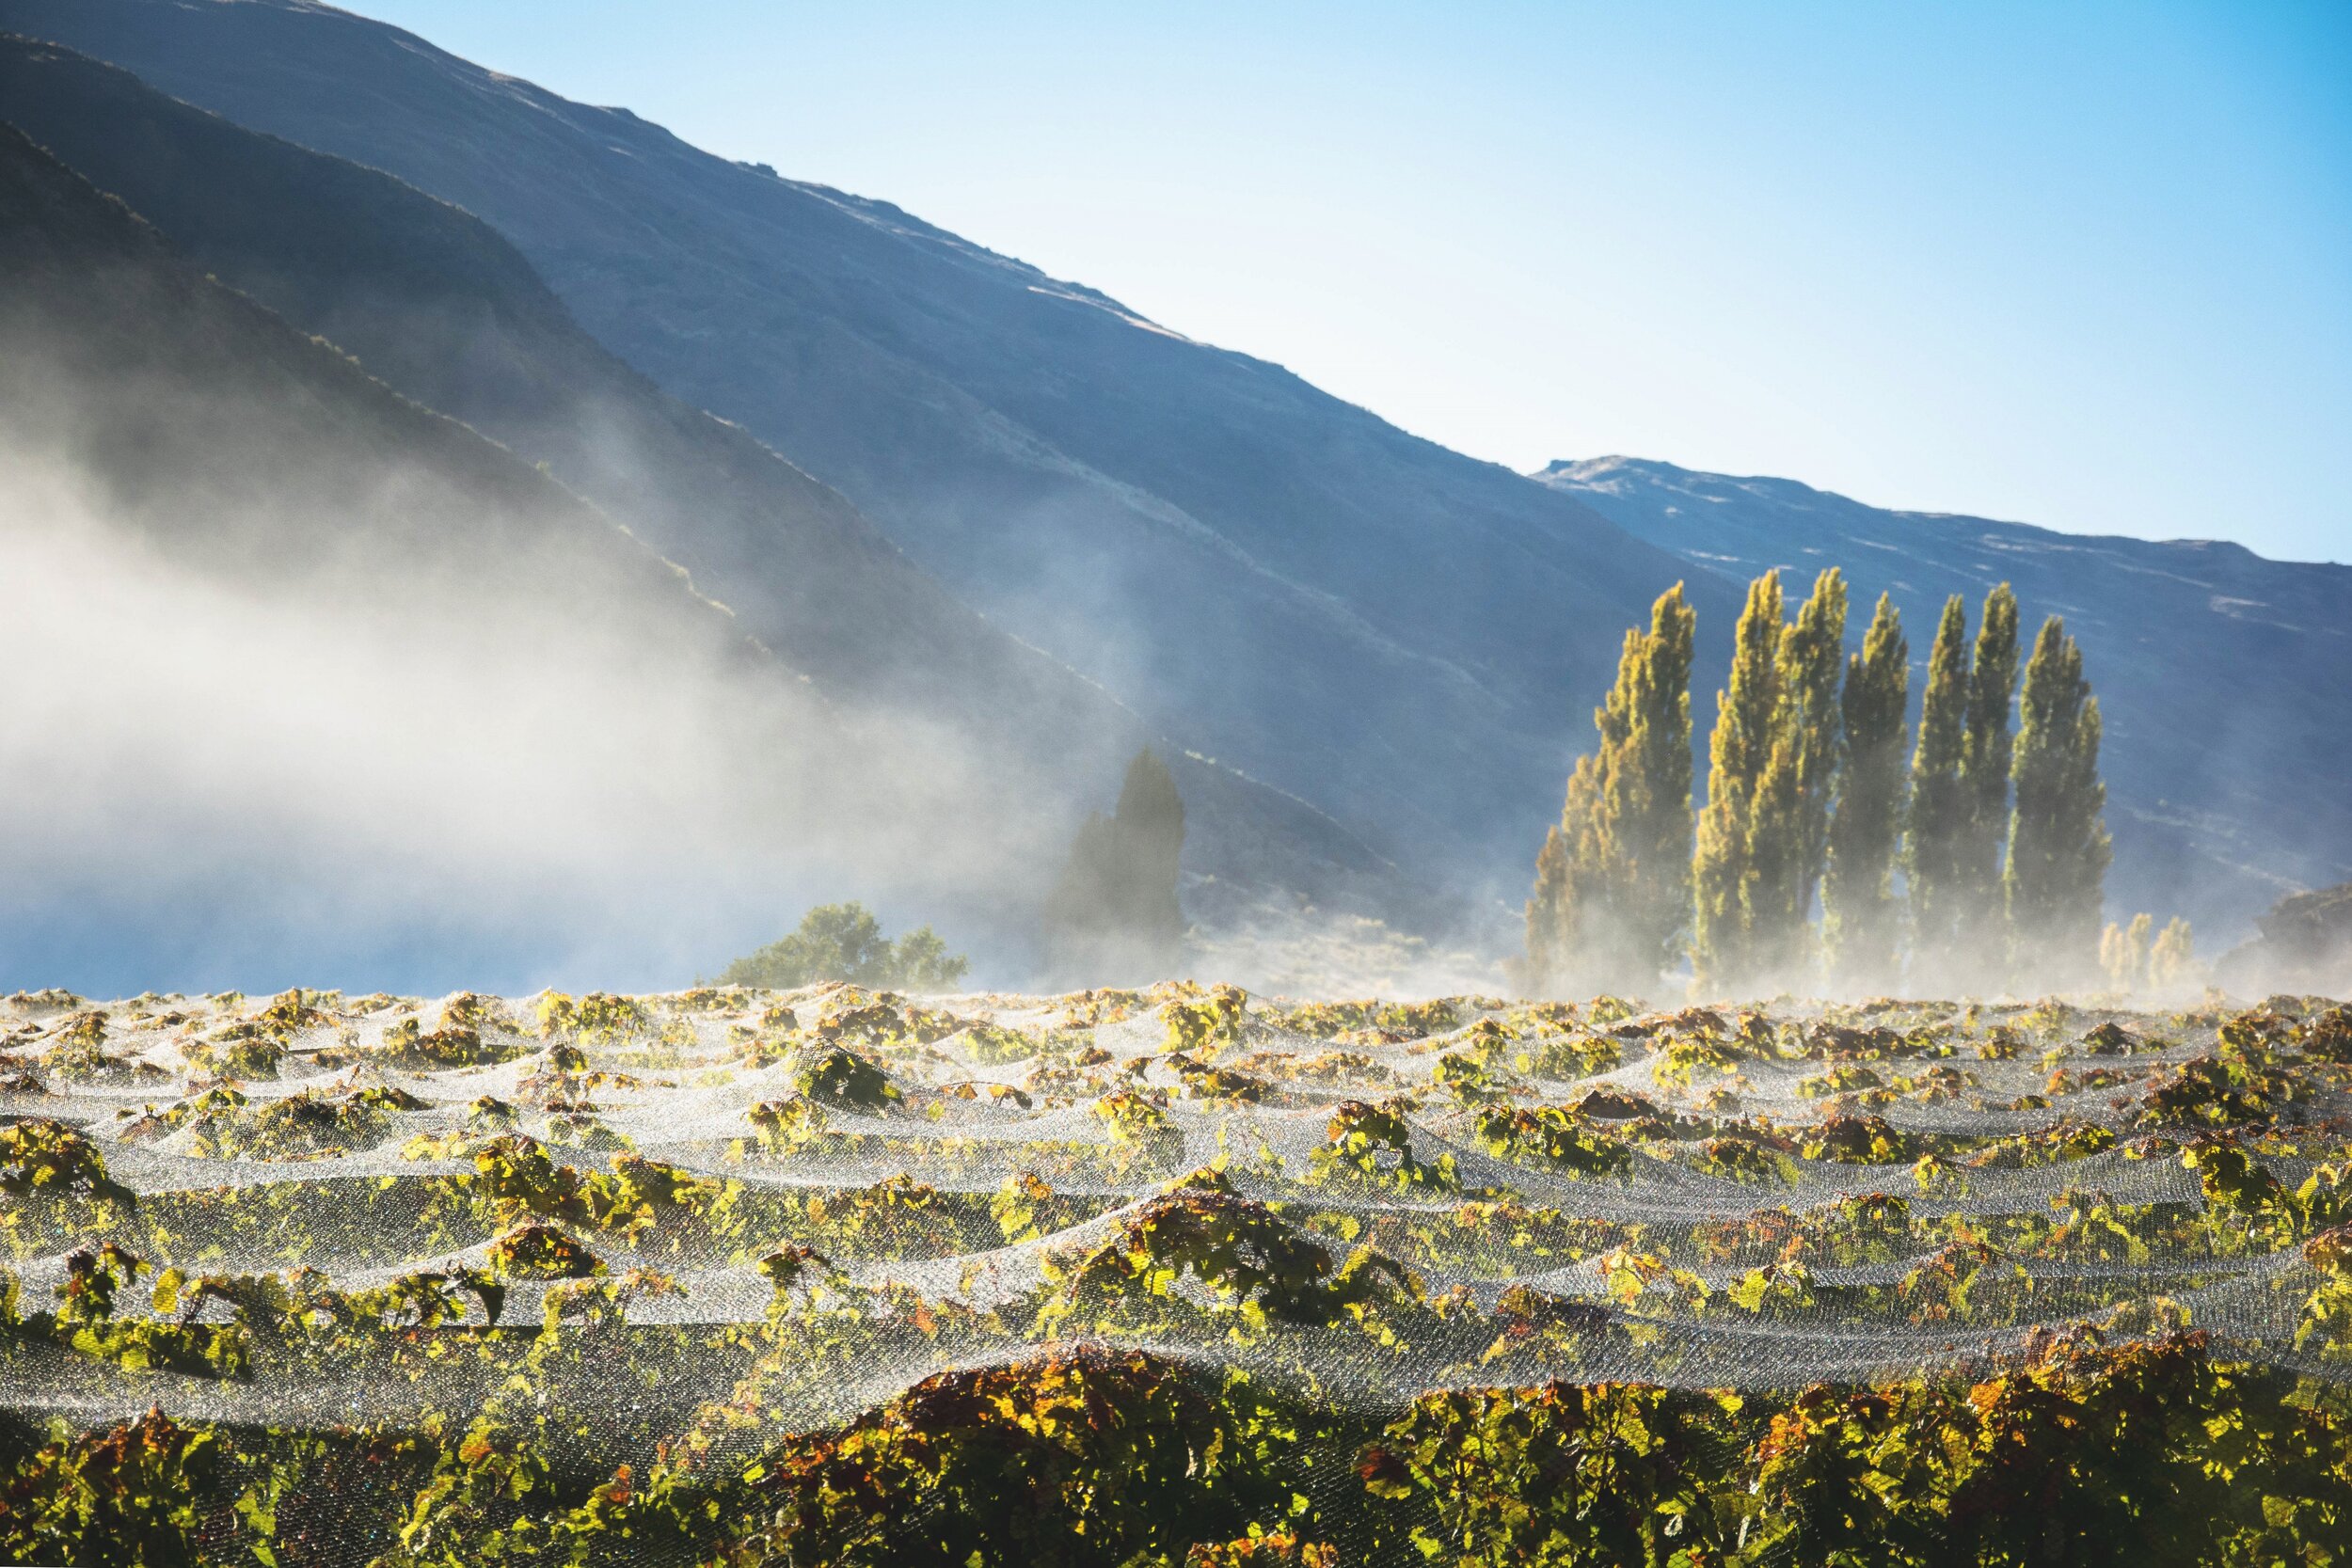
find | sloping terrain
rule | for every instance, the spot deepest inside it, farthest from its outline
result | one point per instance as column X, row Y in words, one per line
column 442, row 309
column 261, row 601
column 1403, row 636
column 209, row 421
column 2225, row 679
column 1183, row 1277
column 1394, row 635
column 301, row 671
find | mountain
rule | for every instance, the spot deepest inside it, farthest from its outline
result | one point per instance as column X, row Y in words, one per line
column 2303, row 944
column 1400, row 634
column 2225, row 679
column 276, row 634
column 1379, row 633
column 444, row 311
column 213, row 425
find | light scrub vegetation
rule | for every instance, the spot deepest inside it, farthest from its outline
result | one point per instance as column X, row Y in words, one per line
column 844, row 941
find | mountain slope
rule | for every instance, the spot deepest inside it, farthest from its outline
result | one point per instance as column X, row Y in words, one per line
column 444, row 311
column 2225, row 678
column 436, row 306
column 297, row 670
column 1397, row 632
column 208, row 420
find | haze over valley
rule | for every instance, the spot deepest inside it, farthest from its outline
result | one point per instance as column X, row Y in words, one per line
column 1003, row 527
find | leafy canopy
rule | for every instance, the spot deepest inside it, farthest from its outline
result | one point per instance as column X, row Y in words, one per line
column 844, row 941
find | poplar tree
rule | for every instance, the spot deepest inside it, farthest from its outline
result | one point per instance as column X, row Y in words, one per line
column 1932, row 848
column 2058, row 848
column 2124, row 952
column 1740, row 754
column 2173, row 960
column 1858, row 924
column 1772, row 892
column 1812, row 653
column 1114, row 915
column 1613, row 889
column 1787, row 827
column 1985, row 767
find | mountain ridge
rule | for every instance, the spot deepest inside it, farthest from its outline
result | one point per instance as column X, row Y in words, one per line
column 1588, row 470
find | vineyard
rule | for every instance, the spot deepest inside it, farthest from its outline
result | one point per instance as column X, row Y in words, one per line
column 1178, row 1277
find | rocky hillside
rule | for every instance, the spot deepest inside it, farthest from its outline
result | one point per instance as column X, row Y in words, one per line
column 444, row 311
column 1398, row 633
column 1394, row 637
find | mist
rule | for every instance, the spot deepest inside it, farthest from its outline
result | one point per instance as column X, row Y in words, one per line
column 231, row 770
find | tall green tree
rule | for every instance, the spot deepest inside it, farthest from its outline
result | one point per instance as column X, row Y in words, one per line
column 1858, row 916
column 1613, row 889
column 1938, row 818
column 1986, row 763
column 1812, row 659
column 2173, row 959
column 2059, row 849
column 1740, row 754
column 2124, row 952
column 1772, row 892
column 1812, row 655
column 1114, row 915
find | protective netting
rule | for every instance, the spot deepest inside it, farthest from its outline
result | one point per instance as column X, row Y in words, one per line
column 654, row 1235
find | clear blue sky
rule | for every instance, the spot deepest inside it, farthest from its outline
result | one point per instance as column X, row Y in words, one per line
column 2084, row 264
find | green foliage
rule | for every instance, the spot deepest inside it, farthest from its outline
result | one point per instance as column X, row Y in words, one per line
column 1370, row 1147
column 1935, row 845
column 42, row 1157
column 1740, row 756
column 1560, row 1137
column 1613, row 881
column 1774, row 759
column 844, row 941
column 451, row 1046
column 1811, row 660
column 2059, row 848
column 1606, row 1473
column 1204, row 1023
column 2124, row 953
column 2173, row 959
column 1985, row 770
column 1859, row 925
column 1113, row 913
column 838, row 1077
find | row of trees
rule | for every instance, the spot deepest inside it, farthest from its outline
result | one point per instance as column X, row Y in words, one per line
column 1996, row 834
